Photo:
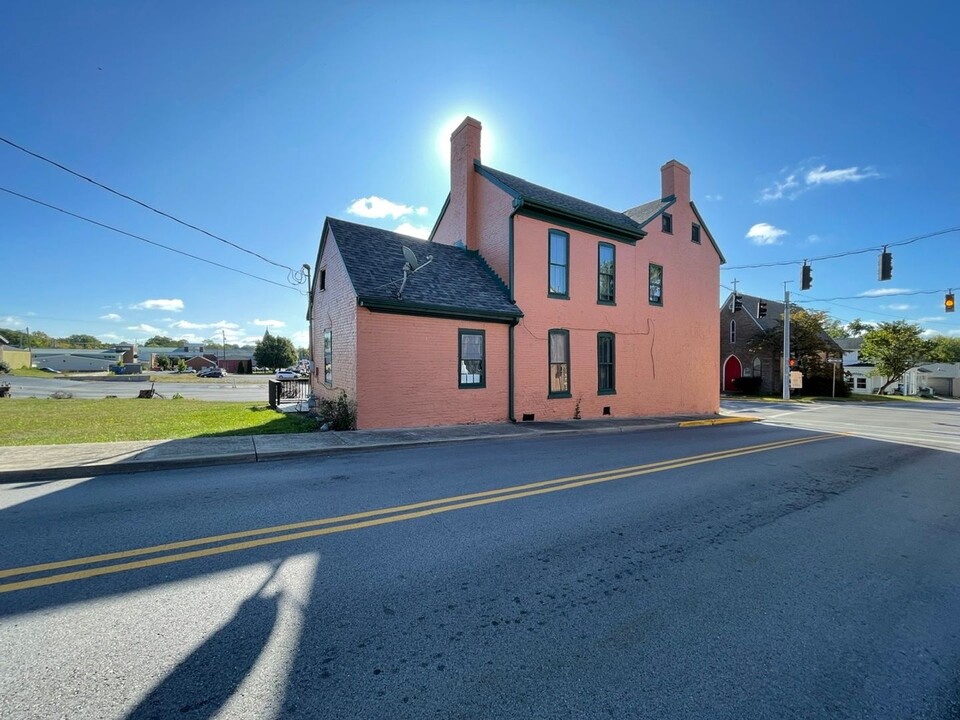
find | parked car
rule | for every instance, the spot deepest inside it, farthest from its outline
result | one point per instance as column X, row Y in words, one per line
column 287, row 375
column 212, row 373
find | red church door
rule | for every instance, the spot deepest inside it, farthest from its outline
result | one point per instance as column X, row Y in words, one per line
column 731, row 371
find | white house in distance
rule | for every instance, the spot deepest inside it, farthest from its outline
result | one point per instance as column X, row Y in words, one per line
column 942, row 379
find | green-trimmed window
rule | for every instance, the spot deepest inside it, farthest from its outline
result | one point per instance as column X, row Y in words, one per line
column 656, row 284
column 328, row 357
column 559, row 264
column 559, row 350
column 606, row 273
column 606, row 364
column 666, row 223
column 472, row 358
column 695, row 234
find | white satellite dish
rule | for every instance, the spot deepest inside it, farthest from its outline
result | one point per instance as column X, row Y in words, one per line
column 411, row 266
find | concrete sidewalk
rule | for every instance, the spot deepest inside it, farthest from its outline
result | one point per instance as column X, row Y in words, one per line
column 31, row 463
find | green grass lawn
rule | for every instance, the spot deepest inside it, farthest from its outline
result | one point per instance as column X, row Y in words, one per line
column 33, row 421
column 30, row 372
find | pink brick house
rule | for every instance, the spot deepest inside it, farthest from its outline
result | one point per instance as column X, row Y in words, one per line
column 535, row 305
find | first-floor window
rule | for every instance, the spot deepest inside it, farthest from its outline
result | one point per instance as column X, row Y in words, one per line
column 861, row 383
column 471, row 359
column 757, row 365
column 328, row 357
column 656, row 284
column 605, row 364
column 559, row 350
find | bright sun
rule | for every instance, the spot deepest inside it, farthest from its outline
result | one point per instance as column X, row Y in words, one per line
column 487, row 138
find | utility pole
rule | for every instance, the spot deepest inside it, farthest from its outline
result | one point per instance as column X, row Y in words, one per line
column 786, row 341
column 223, row 349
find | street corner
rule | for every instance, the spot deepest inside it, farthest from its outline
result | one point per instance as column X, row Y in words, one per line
column 718, row 421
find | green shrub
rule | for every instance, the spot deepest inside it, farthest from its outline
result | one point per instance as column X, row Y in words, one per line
column 4, row 368
column 340, row 413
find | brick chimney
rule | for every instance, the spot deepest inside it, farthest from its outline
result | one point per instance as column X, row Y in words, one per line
column 675, row 180
column 464, row 149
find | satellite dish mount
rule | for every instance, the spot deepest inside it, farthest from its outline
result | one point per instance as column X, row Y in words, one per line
column 410, row 266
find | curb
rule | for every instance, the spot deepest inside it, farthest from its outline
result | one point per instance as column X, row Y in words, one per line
column 8, row 477
column 717, row 421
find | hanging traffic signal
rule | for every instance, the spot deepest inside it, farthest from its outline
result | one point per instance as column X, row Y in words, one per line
column 762, row 309
column 886, row 265
column 949, row 303
column 737, row 303
column 806, row 277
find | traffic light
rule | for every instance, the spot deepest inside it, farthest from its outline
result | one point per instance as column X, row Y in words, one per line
column 806, row 278
column 949, row 303
column 737, row 303
column 793, row 363
column 762, row 309
column 886, row 266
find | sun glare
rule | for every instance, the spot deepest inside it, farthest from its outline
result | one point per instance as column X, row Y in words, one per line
column 487, row 138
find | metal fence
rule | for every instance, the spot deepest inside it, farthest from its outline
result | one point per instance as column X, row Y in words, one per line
column 287, row 392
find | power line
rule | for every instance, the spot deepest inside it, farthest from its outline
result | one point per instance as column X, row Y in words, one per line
column 146, row 240
column 147, row 206
column 862, row 251
column 830, row 301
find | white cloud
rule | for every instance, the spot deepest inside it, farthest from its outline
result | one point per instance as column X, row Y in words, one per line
column 171, row 305
column 301, row 338
column 109, row 336
column 716, row 198
column 224, row 325
column 413, row 230
column 880, row 292
column 898, row 306
column 813, row 238
column 144, row 328
column 268, row 323
column 11, row 321
column 187, row 325
column 378, row 207
column 794, row 182
column 820, row 175
column 930, row 319
column 765, row 234
column 111, row 316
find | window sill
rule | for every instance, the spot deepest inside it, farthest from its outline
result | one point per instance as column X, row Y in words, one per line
column 555, row 396
column 656, row 304
column 612, row 303
column 474, row 386
column 607, row 392
column 557, row 296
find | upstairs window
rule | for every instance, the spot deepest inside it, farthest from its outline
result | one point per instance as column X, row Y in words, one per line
column 656, row 284
column 559, row 269
column 695, row 234
column 559, row 352
column 606, row 365
column 666, row 223
column 323, row 279
column 472, row 359
column 606, row 271
column 328, row 357
column 733, row 332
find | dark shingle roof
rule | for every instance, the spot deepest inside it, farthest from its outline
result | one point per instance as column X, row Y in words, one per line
column 456, row 280
column 567, row 204
column 648, row 211
column 850, row 344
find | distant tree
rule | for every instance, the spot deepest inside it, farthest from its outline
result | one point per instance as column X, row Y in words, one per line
column 857, row 328
column 181, row 364
column 834, row 328
column 944, row 349
column 163, row 341
column 894, row 347
column 81, row 341
column 274, row 352
column 302, row 353
column 807, row 340
column 163, row 362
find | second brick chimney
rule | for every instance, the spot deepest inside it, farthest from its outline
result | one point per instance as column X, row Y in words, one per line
column 675, row 180
column 464, row 149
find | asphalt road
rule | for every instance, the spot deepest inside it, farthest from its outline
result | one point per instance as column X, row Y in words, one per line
column 744, row 571
column 243, row 389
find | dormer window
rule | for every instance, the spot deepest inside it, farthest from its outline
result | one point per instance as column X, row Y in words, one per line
column 666, row 223
column 695, row 234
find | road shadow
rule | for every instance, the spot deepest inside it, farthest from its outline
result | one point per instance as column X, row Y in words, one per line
column 201, row 684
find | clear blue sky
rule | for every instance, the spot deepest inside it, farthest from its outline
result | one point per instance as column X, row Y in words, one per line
column 820, row 127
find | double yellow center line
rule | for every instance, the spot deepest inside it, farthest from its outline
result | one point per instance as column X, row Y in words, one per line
column 106, row 564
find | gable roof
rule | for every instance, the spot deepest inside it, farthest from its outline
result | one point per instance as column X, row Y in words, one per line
column 643, row 214
column 849, row 344
column 537, row 197
column 455, row 283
